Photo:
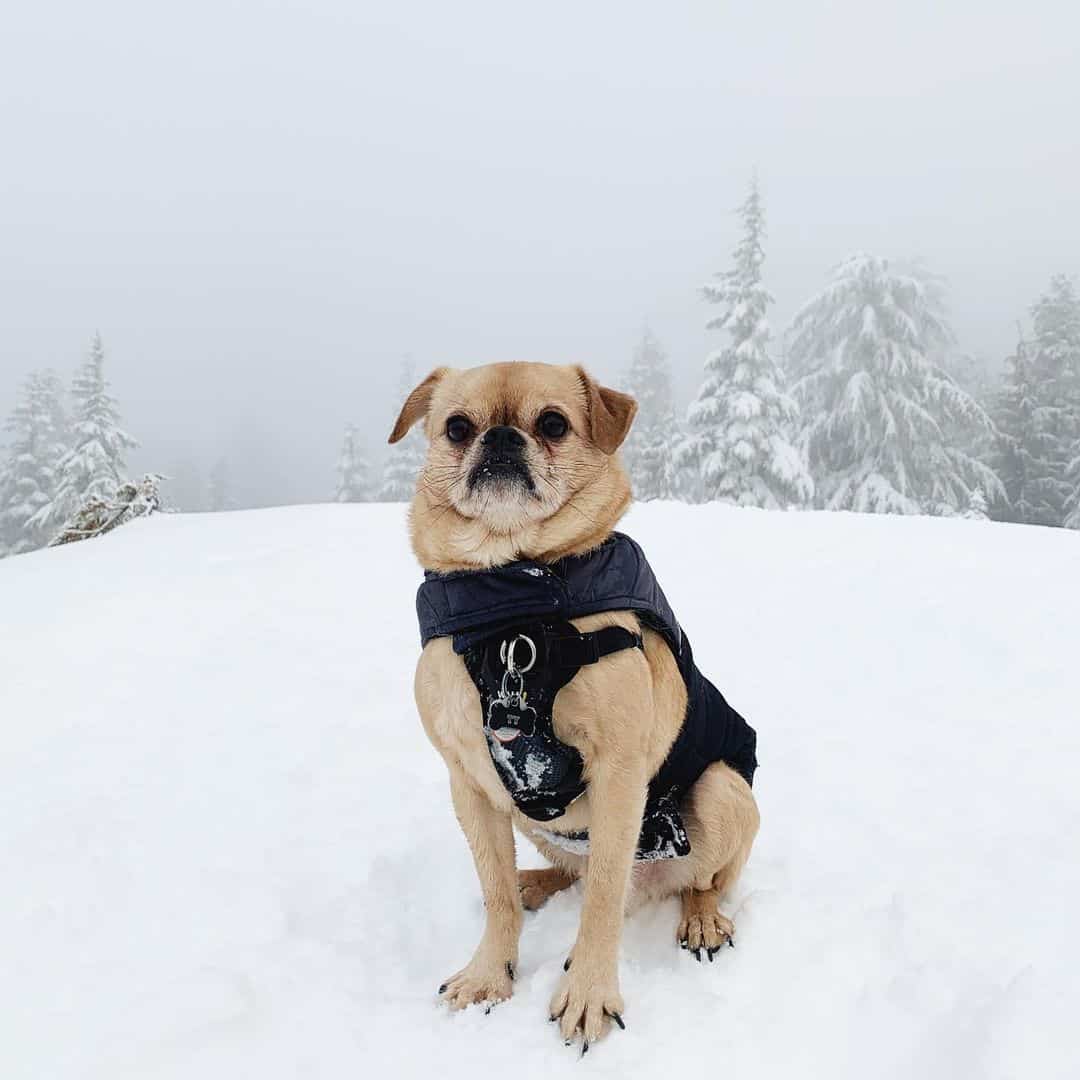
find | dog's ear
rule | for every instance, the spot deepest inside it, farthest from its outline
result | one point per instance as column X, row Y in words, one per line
column 610, row 413
column 416, row 405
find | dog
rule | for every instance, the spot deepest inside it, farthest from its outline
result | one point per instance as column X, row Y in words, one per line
column 522, row 471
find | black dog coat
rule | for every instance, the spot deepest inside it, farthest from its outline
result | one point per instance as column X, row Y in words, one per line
column 485, row 610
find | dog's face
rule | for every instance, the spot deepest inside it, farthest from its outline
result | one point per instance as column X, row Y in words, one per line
column 511, row 445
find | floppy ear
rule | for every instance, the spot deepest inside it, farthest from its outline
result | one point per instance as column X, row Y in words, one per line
column 610, row 413
column 416, row 405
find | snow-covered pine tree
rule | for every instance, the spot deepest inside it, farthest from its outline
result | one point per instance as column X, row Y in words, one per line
column 7, row 536
column 741, row 422
column 977, row 509
column 28, row 477
column 354, row 479
column 649, row 451
column 186, row 486
column 405, row 458
column 1038, row 414
column 219, row 489
column 1072, row 471
column 974, row 375
column 1020, row 459
column 1072, row 507
column 94, row 463
column 878, row 411
column 1055, row 363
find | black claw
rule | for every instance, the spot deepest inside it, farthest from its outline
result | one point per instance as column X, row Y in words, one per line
column 510, row 970
column 731, row 943
column 584, row 1047
column 569, row 1042
column 442, row 989
column 488, row 1009
column 712, row 953
column 552, row 1019
column 684, row 943
column 618, row 1020
column 697, row 955
column 566, row 965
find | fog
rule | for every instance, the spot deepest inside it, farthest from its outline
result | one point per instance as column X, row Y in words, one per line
column 264, row 207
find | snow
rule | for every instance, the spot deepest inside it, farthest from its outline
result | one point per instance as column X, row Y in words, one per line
column 228, row 849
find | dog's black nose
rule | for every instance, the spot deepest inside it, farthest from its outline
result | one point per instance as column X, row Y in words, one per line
column 504, row 440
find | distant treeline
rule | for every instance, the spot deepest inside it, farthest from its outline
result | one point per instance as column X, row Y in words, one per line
column 866, row 405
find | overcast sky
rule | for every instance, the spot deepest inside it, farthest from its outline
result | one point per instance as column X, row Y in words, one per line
column 264, row 206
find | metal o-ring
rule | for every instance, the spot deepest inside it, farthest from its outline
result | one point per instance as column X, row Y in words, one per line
column 509, row 660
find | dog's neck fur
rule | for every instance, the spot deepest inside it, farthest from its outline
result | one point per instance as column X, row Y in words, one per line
column 445, row 541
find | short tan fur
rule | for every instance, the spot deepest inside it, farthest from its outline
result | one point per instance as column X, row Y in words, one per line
column 622, row 714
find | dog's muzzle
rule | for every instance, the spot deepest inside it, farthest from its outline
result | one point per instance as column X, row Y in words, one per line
column 502, row 460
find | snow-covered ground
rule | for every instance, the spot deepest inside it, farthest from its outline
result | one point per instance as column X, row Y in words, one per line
column 227, row 849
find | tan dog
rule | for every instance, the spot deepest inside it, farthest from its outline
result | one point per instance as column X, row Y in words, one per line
column 560, row 493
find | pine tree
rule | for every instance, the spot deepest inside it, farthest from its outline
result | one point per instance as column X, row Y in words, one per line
column 219, row 489
column 1056, row 368
column 186, row 486
column 1021, row 447
column 1072, row 507
column 7, row 533
column 354, row 480
column 1038, row 414
column 977, row 509
column 742, row 420
column 94, row 464
column 975, row 376
column 406, row 458
column 29, row 476
column 1072, row 471
column 880, row 414
column 649, row 452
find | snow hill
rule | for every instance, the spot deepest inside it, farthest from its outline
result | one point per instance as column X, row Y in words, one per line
column 228, row 850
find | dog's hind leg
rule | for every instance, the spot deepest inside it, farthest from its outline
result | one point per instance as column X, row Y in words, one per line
column 538, row 886
column 722, row 820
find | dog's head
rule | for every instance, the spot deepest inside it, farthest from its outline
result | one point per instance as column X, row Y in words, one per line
column 514, row 450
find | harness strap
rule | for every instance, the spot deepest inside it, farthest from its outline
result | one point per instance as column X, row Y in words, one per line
column 581, row 649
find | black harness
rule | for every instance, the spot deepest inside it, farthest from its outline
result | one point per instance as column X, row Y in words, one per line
column 518, row 675
column 510, row 624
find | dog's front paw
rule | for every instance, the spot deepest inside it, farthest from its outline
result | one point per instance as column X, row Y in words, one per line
column 585, row 1002
column 482, row 980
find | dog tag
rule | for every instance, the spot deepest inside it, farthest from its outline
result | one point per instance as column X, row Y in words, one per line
column 508, row 715
column 509, row 718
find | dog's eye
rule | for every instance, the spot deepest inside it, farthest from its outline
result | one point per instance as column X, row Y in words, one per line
column 458, row 429
column 553, row 425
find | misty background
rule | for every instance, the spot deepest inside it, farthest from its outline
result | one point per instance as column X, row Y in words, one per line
column 265, row 207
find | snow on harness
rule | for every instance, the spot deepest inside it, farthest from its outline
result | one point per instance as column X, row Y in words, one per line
column 510, row 625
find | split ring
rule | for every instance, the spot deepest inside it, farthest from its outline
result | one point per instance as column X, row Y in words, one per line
column 506, row 654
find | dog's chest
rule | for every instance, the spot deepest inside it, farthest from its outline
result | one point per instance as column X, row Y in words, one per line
column 508, row 748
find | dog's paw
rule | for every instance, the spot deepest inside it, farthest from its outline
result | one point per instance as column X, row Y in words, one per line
column 538, row 886
column 707, row 931
column 481, row 981
column 586, row 1003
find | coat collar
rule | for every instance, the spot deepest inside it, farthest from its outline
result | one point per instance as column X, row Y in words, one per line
column 470, row 605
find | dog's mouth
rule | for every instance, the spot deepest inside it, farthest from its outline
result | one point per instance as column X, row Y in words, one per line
column 505, row 735
column 500, row 472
